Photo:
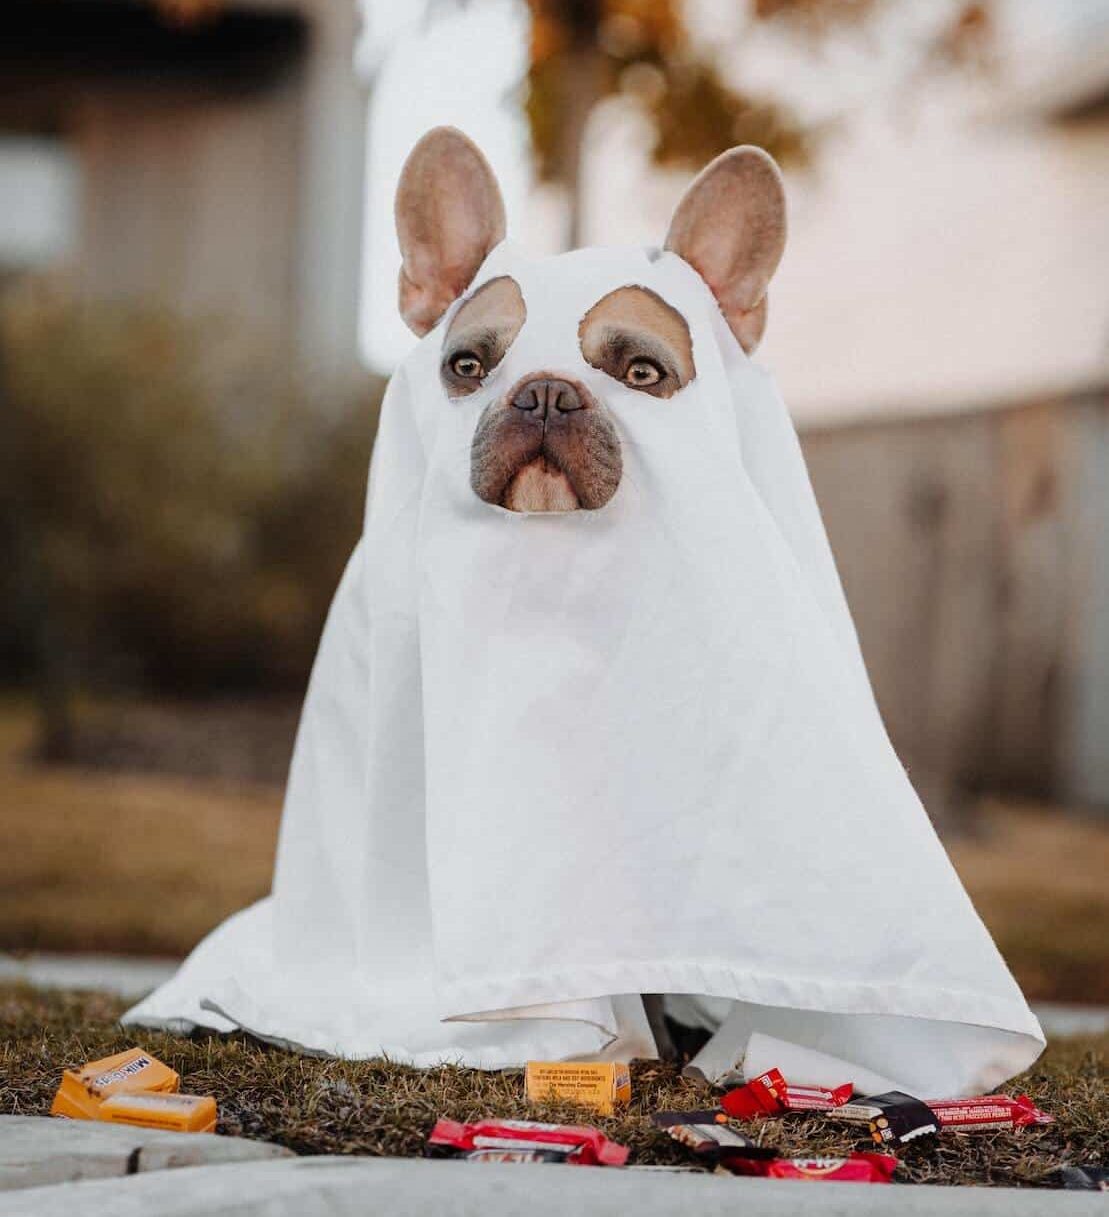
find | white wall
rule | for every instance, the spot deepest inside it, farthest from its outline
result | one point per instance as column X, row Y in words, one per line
column 39, row 184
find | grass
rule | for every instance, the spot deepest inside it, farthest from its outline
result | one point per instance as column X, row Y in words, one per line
column 129, row 862
column 146, row 863
column 1038, row 878
column 314, row 1106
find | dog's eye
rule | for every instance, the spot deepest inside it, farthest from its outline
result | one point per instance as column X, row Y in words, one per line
column 642, row 373
column 467, row 365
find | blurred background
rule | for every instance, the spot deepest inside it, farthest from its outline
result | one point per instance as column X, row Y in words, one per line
column 197, row 318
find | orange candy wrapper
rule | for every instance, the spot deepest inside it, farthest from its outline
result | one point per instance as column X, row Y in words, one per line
column 174, row 1112
column 83, row 1090
column 600, row 1085
column 132, row 1087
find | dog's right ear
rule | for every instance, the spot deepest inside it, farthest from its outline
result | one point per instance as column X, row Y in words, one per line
column 449, row 214
column 730, row 226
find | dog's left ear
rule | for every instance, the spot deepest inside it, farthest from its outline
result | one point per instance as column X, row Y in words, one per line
column 449, row 214
column 730, row 226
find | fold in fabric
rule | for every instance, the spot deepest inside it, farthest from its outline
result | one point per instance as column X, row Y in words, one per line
column 550, row 762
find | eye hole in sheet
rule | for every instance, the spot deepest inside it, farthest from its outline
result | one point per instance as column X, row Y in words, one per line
column 633, row 328
column 480, row 333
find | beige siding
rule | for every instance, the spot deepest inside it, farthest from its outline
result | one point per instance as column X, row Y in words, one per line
column 975, row 553
column 191, row 199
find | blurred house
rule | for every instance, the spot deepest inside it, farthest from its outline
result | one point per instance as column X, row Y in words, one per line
column 215, row 164
column 940, row 324
column 941, row 329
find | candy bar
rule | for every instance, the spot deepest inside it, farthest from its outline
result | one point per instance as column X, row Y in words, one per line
column 988, row 1111
column 898, row 1118
column 982, row 1112
column 769, row 1094
column 581, row 1144
column 83, row 1090
column 600, row 1085
column 707, row 1134
column 176, row 1112
column 815, row 1098
column 1084, row 1178
column 765, row 1096
column 856, row 1168
column 514, row 1155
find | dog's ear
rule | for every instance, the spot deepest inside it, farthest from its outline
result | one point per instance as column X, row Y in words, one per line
column 449, row 214
column 730, row 226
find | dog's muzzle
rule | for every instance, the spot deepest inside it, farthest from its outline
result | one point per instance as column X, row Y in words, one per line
column 547, row 445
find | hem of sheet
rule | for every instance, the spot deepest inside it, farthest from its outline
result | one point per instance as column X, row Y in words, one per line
column 718, row 980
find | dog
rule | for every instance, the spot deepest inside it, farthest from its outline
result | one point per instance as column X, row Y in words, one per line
column 546, row 443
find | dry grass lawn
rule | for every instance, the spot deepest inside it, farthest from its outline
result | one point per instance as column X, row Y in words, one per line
column 135, row 863
column 374, row 1107
column 144, row 863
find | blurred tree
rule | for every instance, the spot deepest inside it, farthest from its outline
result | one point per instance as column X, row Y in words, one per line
column 170, row 516
column 583, row 51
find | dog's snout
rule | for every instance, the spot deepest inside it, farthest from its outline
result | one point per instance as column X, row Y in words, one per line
column 546, row 396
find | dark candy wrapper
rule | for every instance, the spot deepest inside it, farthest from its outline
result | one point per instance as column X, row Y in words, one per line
column 1085, row 1178
column 707, row 1134
column 901, row 1118
column 580, row 1145
column 855, row 1168
column 898, row 1117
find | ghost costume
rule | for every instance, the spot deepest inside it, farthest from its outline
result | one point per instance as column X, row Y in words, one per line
column 550, row 762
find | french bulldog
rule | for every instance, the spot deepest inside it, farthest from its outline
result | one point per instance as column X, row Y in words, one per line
column 546, row 443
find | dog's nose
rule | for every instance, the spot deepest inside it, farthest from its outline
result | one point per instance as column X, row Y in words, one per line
column 547, row 395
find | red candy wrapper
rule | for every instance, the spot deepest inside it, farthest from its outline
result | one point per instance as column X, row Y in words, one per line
column 769, row 1094
column 899, row 1118
column 856, row 1168
column 816, row 1098
column 581, row 1145
column 765, row 1096
column 988, row 1111
column 514, row 1155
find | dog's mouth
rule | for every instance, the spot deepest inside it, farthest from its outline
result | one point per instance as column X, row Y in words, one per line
column 540, row 485
column 561, row 455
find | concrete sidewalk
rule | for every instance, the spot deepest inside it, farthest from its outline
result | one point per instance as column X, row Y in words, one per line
column 338, row 1187
column 36, row 1151
column 126, row 976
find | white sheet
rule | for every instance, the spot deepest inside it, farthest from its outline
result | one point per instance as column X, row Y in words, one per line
column 547, row 762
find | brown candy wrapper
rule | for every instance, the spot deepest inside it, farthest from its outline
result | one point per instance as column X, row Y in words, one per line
column 707, row 1134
